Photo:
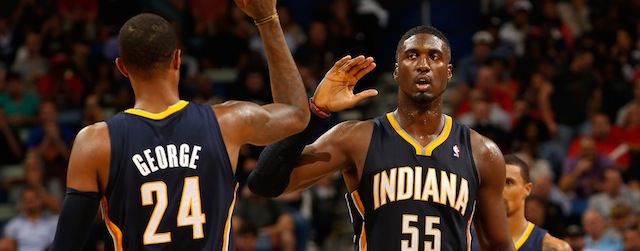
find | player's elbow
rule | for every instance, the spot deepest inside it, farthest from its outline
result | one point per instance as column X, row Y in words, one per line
column 300, row 120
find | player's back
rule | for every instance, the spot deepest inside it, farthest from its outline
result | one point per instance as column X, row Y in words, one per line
column 412, row 197
column 171, row 185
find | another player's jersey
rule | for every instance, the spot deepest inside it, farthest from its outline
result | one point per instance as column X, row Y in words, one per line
column 412, row 197
column 171, row 185
column 531, row 238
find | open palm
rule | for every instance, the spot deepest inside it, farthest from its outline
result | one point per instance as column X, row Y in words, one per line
column 335, row 91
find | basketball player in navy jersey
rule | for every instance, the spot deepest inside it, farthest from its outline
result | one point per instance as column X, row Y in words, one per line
column 416, row 178
column 525, row 235
column 163, row 171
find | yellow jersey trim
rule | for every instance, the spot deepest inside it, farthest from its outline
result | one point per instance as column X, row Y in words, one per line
column 525, row 235
column 114, row 231
column 427, row 150
column 161, row 115
column 227, row 226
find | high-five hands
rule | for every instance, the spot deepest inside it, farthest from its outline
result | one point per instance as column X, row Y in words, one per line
column 257, row 9
column 335, row 91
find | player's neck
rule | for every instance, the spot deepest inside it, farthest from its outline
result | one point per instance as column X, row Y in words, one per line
column 155, row 97
column 517, row 225
column 419, row 120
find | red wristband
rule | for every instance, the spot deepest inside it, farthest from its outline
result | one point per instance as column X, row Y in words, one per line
column 317, row 110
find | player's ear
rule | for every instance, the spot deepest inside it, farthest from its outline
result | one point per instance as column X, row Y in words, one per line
column 121, row 67
column 528, row 187
column 395, row 72
column 449, row 72
column 177, row 59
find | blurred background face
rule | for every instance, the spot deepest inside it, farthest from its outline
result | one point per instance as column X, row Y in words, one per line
column 588, row 148
column 632, row 239
column 612, row 182
column 593, row 224
column 31, row 202
column 515, row 190
column 33, row 170
column 601, row 126
column 48, row 112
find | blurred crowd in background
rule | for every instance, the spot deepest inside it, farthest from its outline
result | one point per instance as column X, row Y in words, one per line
column 556, row 82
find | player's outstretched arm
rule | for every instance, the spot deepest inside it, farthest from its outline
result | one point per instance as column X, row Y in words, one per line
column 331, row 151
column 90, row 156
column 490, row 220
column 289, row 114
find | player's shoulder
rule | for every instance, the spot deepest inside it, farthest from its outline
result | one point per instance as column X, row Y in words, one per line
column 483, row 146
column 552, row 243
column 487, row 157
column 93, row 136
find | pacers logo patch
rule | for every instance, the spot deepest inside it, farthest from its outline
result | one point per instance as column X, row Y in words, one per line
column 456, row 151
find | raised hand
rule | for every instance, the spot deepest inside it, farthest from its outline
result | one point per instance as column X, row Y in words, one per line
column 335, row 91
column 257, row 9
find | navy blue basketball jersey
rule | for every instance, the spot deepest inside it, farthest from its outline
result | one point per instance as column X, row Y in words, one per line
column 412, row 197
column 531, row 239
column 171, row 185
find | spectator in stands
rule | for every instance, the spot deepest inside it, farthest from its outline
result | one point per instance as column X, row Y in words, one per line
column 29, row 61
column 517, row 30
column 487, row 119
column 467, row 69
column 575, row 14
column 10, row 145
column 575, row 96
column 79, row 17
column 546, row 214
column 614, row 192
column 246, row 237
column 597, row 238
column 622, row 112
column 50, row 188
column 574, row 235
column 608, row 138
column 34, row 228
column 20, row 104
column 8, row 244
column 275, row 226
column 61, row 85
column 631, row 238
column 545, row 189
column 619, row 218
column 8, row 40
column 315, row 53
column 581, row 174
column 51, row 140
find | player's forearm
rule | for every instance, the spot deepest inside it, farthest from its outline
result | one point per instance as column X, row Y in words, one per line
column 271, row 176
column 286, row 83
column 76, row 217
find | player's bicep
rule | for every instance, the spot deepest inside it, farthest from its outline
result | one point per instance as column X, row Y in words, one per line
column 490, row 218
column 90, row 154
column 259, row 125
column 325, row 156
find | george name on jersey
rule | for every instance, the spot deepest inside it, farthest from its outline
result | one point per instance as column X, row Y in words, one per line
column 169, row 156
column 407, row 183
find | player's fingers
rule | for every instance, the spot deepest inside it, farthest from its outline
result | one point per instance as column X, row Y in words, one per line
column 354, row 61
column 365, row 70
column 340, row 63
column 359, row 64
column 359, row 97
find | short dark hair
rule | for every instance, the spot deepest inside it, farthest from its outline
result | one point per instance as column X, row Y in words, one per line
column 511, row 159
column 147, row 43
column 423, row 29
